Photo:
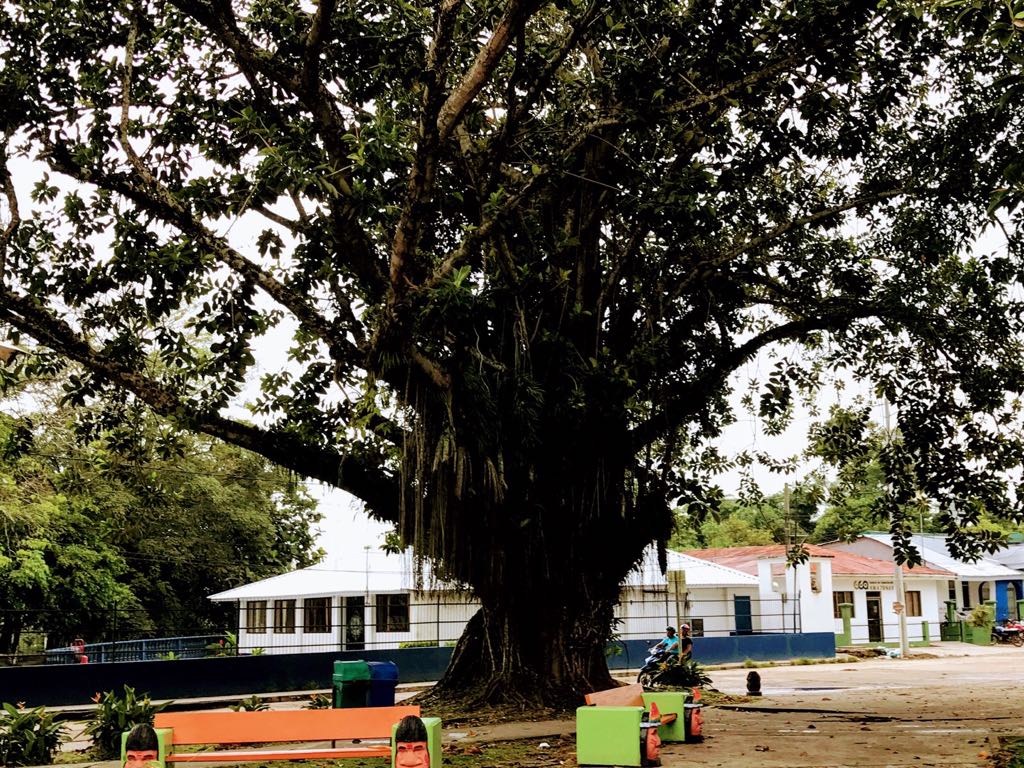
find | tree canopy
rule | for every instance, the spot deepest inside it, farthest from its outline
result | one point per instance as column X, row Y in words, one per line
column 125, row 528
column 518, row 250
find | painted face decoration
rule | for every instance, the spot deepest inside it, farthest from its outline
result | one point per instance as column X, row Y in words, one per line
column 650, row 747
column 141, row 758
column 411, row 744
column 412, row 754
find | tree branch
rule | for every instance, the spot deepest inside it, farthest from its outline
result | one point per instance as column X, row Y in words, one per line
column 754, row 77
column 361, row 478
column 483, row 67
column 318, row 28
column 691, row 399
column 160, row 203
column 12, row 204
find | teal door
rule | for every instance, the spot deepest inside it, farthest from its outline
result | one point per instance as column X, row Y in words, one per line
column 741, row 607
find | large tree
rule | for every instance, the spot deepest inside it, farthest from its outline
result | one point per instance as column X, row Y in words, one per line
column 519, row 248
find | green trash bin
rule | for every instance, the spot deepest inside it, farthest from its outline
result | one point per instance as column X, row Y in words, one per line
column 351, row 684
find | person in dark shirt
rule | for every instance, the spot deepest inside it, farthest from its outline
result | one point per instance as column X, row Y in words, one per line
column 685, row 642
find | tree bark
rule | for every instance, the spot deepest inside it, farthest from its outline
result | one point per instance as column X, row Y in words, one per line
column 530, row 650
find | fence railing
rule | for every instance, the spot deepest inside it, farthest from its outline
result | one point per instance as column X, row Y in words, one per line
column 150, row 649
column 382, row 622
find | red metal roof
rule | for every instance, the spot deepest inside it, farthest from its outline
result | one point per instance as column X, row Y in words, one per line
column 843, row 563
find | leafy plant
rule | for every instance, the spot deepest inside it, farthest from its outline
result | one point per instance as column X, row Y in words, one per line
column 682, row 674
column 117, row 714
column 257, row 651
column 226, row 646
column 319, row 701
column 980, row 617
column 28, row 736
column 252, row 704
column 169, row 656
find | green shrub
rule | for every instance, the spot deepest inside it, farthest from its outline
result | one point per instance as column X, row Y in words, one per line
column 682, row 674
column 252, row 704
column 117, row 714
column 28, row 736
column 319, row 701
column 418, row 644
column 980, row 617
column 226, row 646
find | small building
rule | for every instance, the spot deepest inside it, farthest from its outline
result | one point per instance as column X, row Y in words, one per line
column 380, row 607
column 969, row 584
column 347, row 609
column 836, row 577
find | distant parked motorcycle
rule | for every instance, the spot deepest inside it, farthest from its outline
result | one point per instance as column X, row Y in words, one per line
column 1008, row 635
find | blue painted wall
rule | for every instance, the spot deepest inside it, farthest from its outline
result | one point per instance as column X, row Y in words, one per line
column 1002, row 597
column 75, row 684
column 737, row 648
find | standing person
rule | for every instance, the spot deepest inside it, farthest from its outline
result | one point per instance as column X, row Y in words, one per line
column 685, row 642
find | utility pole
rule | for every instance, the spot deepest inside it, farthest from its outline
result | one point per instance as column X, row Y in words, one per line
column 901, row 595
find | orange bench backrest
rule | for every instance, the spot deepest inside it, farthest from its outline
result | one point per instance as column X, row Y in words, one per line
column 282, row 725
column 624, row 696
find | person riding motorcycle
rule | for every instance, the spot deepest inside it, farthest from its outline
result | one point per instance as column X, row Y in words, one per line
column 669, row 644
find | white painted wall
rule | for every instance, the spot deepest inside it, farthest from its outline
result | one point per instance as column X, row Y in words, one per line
column 933, row 592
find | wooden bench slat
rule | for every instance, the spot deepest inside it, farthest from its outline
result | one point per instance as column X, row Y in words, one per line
column 283, row 725
column 623, row 696
column 252, row 755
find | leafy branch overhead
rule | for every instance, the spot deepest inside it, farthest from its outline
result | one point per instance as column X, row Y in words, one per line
column 519, row 250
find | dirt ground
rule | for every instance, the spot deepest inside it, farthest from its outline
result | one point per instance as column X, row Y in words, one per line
column 948, row 710
column 945, row 711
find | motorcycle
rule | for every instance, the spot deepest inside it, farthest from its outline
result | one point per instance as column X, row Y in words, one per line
column 654, row 665
column 1008, row 635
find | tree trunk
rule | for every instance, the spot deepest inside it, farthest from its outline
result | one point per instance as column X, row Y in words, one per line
column 530, row 651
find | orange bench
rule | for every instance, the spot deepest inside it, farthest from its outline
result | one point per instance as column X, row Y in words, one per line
column 275, row 726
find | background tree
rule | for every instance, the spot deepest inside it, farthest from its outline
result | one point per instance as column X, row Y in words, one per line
column 128, row 529
column 519, row 249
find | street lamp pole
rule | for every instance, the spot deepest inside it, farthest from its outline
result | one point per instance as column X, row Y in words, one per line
column 901, row 595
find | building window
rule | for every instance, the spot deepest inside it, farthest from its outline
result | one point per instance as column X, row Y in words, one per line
column 256, row 617
column 316, row 615
column 966, row 588
column 952, row 590
column 284, row 617
column 984, row 592
column 839, row 598
column 815, row 580
column 696, row 627
column 393, row 613
column 913, row 606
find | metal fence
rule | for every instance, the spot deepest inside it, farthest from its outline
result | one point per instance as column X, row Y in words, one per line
column 392, row 621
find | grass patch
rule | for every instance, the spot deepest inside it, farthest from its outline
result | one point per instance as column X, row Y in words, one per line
column 1010, row 753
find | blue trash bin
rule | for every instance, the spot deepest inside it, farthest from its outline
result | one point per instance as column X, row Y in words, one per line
column 383, row 679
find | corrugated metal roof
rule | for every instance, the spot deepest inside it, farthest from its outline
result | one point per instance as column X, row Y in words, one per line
column 378, row 574
column 843, row 563
column 1011, row 557
column 934, row 552
column 699, row 573
column 395, row 574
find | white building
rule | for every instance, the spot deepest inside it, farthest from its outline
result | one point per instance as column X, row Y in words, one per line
column 325, row 609
column 832, row 577
column 968, row 583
